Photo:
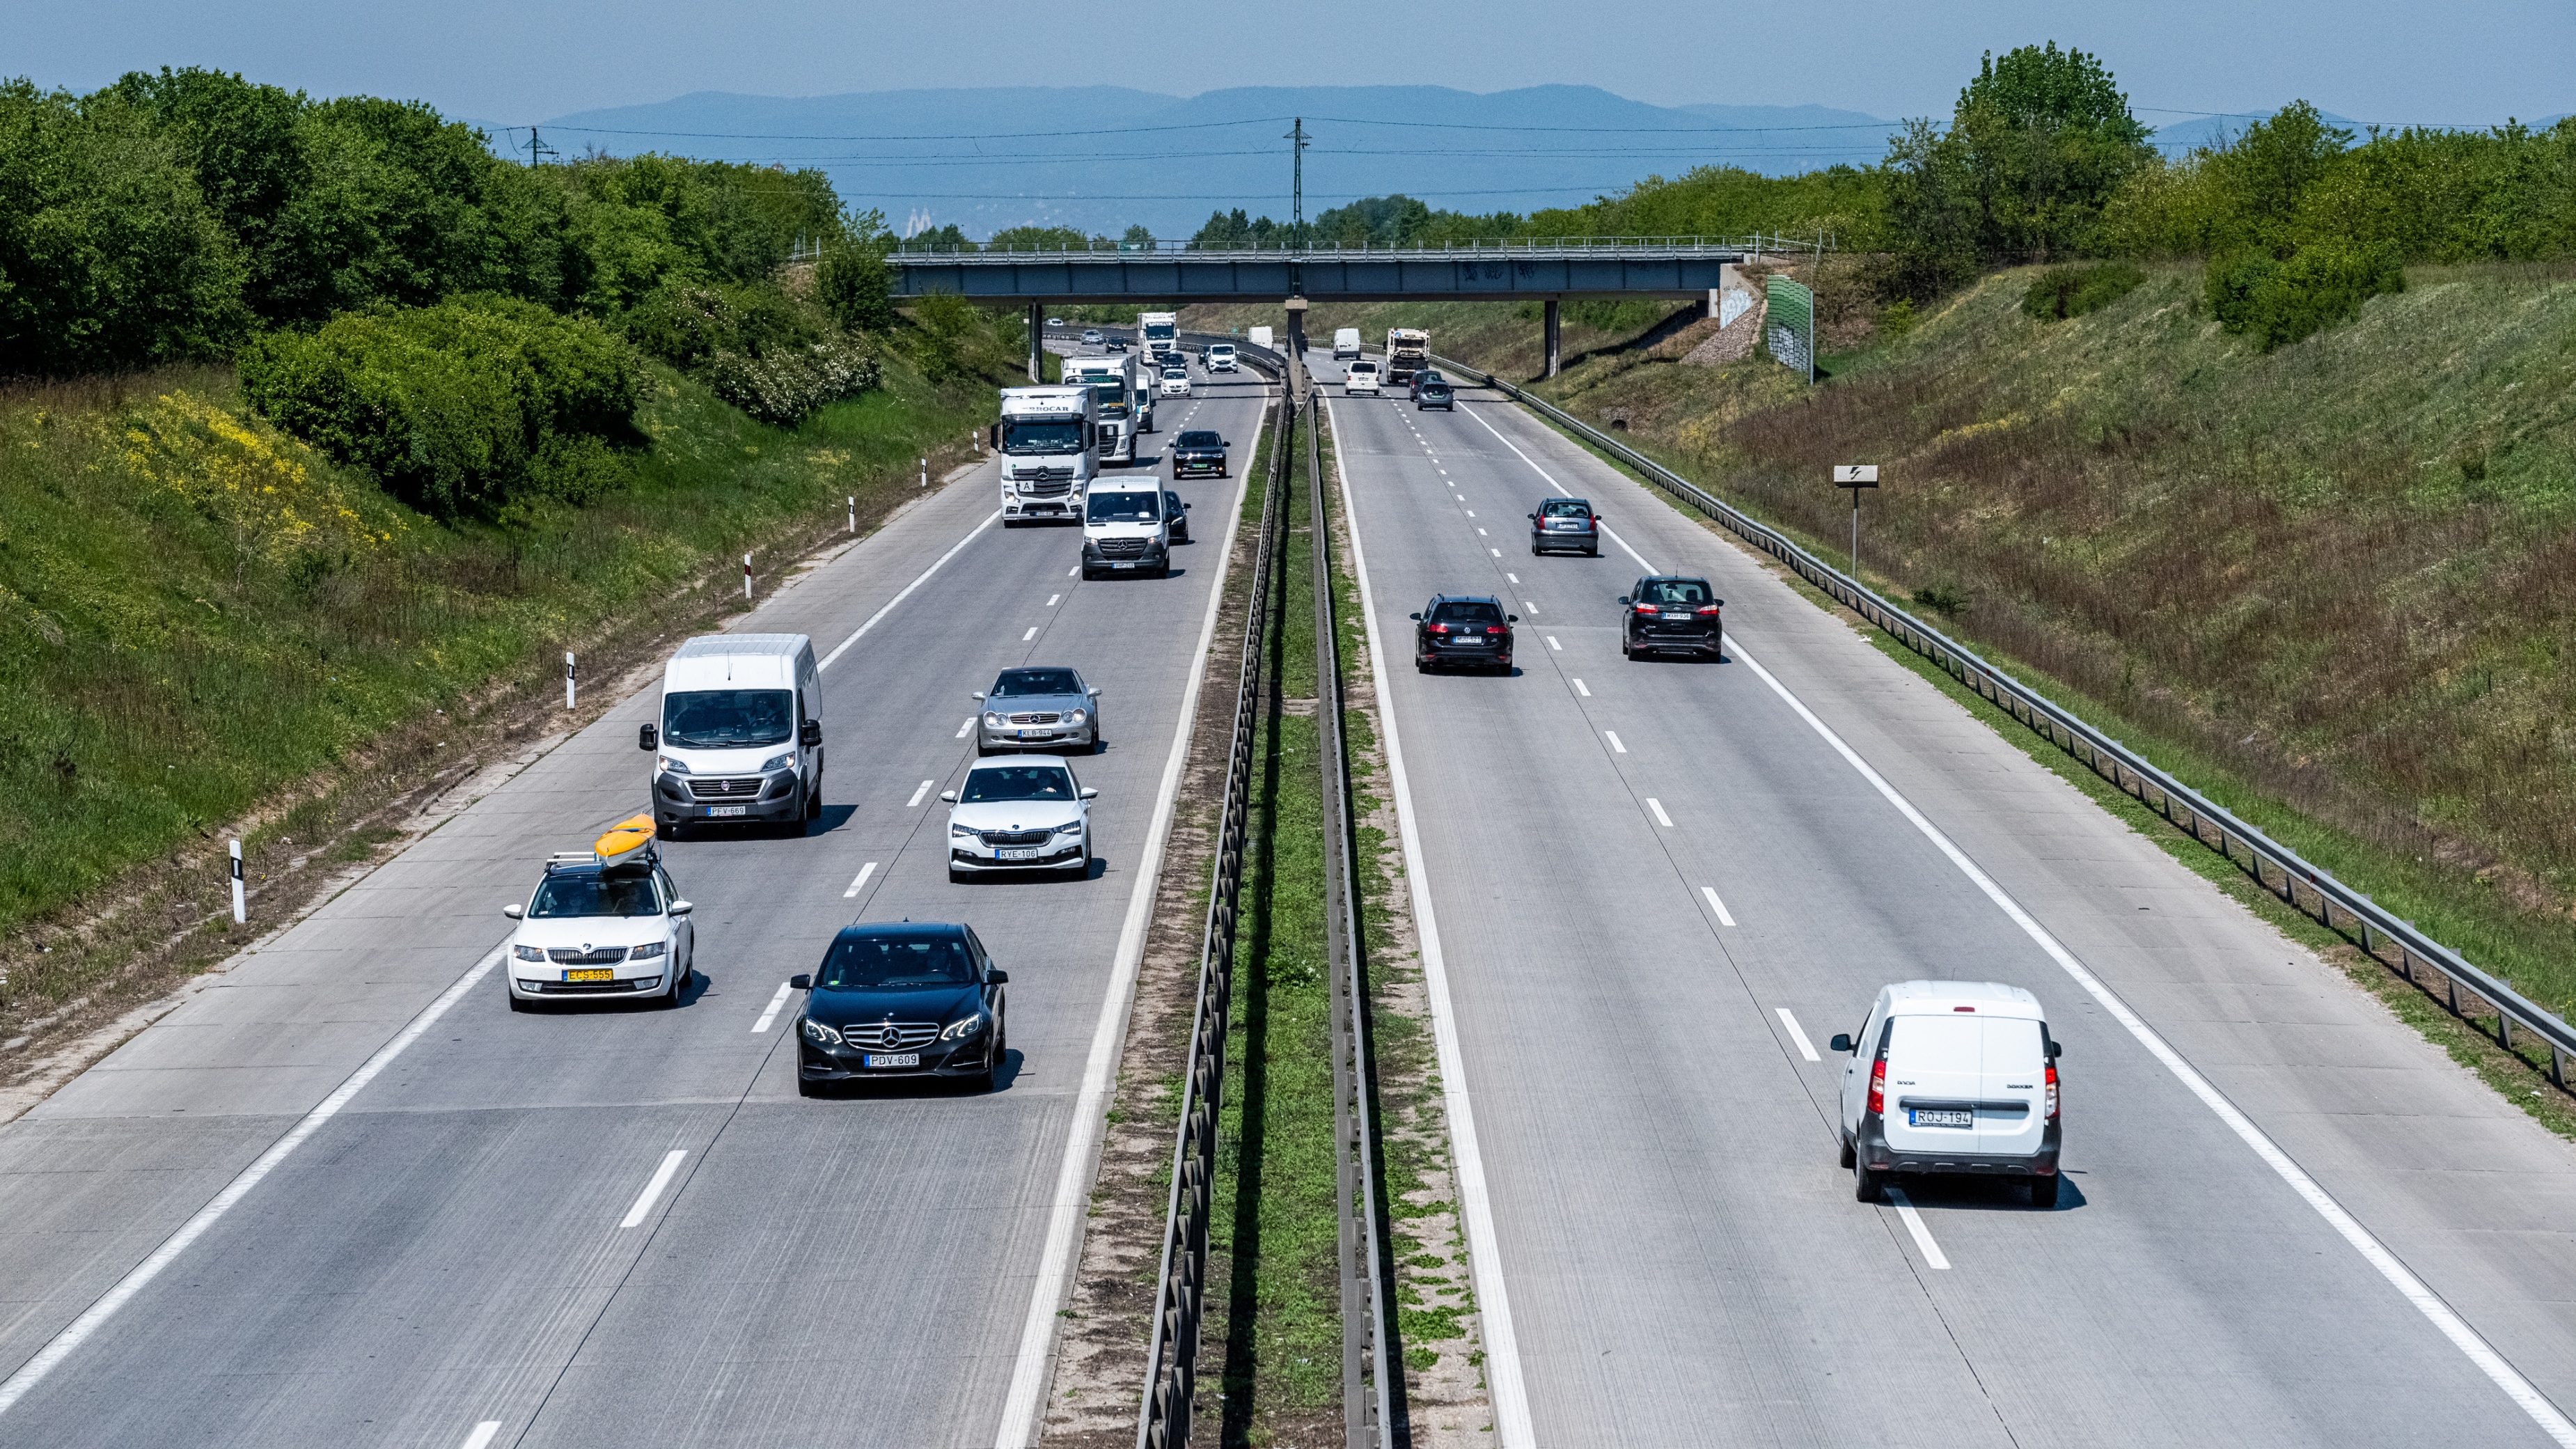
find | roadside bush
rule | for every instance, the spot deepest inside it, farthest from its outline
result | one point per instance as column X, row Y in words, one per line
column 855, row 285
column 686, row 323
column 457, row 409
column 782, row 386
column 2062, row 292
column 2277, row 302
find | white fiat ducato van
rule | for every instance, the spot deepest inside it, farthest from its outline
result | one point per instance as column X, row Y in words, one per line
column 741, row 733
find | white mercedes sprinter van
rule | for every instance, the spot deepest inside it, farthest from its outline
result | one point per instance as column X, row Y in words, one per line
column 1951, row 1077
column 1123, row 531
column 741, row 733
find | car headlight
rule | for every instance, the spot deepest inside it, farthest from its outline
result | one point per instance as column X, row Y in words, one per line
column 963, row 1028
column 529, row 953
column 1075, row 717
column 673, row 767
column 778, row 762
column 647, row 951
column 1070, row 827
column 960, row 832
column 993, row 721
column 816, row 1031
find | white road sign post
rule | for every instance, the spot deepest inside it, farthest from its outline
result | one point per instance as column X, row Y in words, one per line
column 239, row 914
column 1855, row 476
column 746, row 578
column 571, row 672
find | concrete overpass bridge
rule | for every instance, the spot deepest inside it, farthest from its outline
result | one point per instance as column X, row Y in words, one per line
column 1545, row 270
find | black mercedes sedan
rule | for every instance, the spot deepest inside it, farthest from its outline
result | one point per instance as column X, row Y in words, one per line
column 911, row 999
column 1198, row 451
column 1471, row 630
column 1668, row 613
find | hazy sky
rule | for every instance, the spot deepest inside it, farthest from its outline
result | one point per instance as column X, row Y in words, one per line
column 2461, row 62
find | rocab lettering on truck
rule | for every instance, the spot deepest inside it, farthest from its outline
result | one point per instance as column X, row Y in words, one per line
column 1050, row 440
column 1113, row 383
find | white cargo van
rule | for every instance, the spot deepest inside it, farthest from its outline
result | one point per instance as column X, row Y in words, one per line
column 1050, row 443
column 1220, row 357
column 1346, row 343
column 741, row 732
column 1951, row 1077
column 1260, row 337
column 1124, row 531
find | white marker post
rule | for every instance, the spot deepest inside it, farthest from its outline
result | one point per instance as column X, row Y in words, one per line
column 1855, row 476
column 746, row 578
column 571, row 672
column 854, row 515
column 239, row 914
column 925, row 472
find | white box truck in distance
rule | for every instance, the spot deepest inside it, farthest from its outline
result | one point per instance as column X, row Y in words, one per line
column 1346, row 343
column 1112, row 380
column 1408, row 351
column 1260, row 337
column 1159, row 334
column 1050, row 439
column 741, row 732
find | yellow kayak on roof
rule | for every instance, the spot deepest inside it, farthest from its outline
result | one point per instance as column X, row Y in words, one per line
column 624, row 840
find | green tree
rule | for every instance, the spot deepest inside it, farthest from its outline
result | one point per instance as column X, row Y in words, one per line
column 852, row 280
column 945, row 339
column 1035, row 238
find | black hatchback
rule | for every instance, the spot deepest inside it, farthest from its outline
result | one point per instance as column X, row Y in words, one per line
column 1565, row 525
column 1434, row 393
column 1671, row 613
column 1465, row 629
column 910, row 999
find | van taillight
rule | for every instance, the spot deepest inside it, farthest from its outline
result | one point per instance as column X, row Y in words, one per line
column 1878, row 1086
column 2052, row 1091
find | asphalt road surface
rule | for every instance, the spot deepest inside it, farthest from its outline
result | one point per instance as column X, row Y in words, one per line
column 1657, row 889
column 445, row 1256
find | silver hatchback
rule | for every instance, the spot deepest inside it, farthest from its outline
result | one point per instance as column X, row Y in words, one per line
column 1039, row 708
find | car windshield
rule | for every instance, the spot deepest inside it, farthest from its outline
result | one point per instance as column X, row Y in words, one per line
column 1175, row 370
column 1123, row 508
column 727, row 719
column 1467, row 611
column 1024, row 683
column 1566, row 508
column 1676, row 591
column 860, row 963
column 588, row 893
column 1041, row 435
column 1196, row 438
column 996, row 783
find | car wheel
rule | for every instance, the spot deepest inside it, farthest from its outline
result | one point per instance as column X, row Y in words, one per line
column 1593, row 552
column 518, row 1002
column 1868, row 1184
column 1848, row 1154
column 956, row 876
column 805, row 1088
column 981, row 748
column 814, row 802
column 671, row 996
column 2043, row 1191
column 992, row 1077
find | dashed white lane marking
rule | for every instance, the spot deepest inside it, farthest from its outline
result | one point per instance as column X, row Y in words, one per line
column 1033, row 633
column 1552, row 644
column 1530, row 604
column 644, row 1200
column 1054, row 599
column 1579, row 689
column 1496, row 552
column 860, row 881
column 1661, row 818
column 1798, row 1034
column 963, row 728
column 482, row 1434
column 1717, row 905
column 918, row 794
column 1914, row 1225
column 1617, row 748
column 769, row 1013
column 1480, row 533
column 1069, row 573
column 1472, row 513
column 1515, row 578
column 918, row 580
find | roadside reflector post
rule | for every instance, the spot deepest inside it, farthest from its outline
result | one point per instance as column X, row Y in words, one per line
column 746, row 578
column 572, row 672
column 925, row 472
column 854, row 515
column 239, row 914
column 1855, row 476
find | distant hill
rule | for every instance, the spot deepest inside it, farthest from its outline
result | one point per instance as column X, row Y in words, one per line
column 1101, row 157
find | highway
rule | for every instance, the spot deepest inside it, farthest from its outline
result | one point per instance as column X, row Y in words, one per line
column 1656, row 890
column 480, row 1239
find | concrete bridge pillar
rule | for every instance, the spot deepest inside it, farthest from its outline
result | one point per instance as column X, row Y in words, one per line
column 1037, row 340
column 1555, row 353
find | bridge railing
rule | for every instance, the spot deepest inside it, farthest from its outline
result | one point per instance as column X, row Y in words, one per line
column 1758, row 243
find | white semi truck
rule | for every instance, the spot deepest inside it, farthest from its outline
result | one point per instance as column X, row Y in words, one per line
column 1159, row 334
column 1050, row 445
column 1408, row 351
column 1113, row 381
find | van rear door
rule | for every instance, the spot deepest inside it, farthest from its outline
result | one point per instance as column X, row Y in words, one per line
column 1934, row 1076
column 2013, row 1070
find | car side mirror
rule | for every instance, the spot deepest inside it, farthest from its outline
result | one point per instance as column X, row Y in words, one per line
column 648, row 738
column 1840, row 1043
column 515, row 911
column 977, row 696
column 1416, row 617
column 1089, row 792
column 1532, row 517
column 996, row 976
column 810, row 733
column 948, row 795
column 1093, row 692
column 2056, row 1049
column 682, row 908
column 1623, row 601
column 1185, row 508
column 801, row 981
column 1511, row 618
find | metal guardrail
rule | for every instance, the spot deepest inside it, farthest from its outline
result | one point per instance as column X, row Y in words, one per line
column 1370, row 1392
column 1180, row 1283
column 2306, row 888
column 1757, row 244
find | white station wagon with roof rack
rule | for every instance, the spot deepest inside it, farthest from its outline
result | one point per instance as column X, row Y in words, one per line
column 604, row 923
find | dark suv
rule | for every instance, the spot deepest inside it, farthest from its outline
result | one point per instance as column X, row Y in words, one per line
column 1198, row 451
column 1425, row 378
column 1468, row 629
column 1670, row 612
column 1566, row 524
column 1434, row 393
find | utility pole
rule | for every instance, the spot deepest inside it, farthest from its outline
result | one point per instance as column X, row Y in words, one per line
column 538, row 150
column 1297, row 184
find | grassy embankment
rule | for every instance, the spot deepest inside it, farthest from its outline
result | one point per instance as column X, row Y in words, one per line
column 2333, row 585
column 166, row 673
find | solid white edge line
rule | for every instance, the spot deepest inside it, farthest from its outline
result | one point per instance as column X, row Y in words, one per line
column 1616, row 748
column 1024, row 1401
column 770, row 1014
column 94, row 1317
column 1932, row 1253
column 652, row 1192
column 859, row 882
column 1632, row 553
column 2441, row 1315
column 918, row 580
column 1717, row 905
column 1797, row 1033
column 1516, row 450
column 917, row 795
column 1661, row 818
column 482, row 1434
column 1512, row 1424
